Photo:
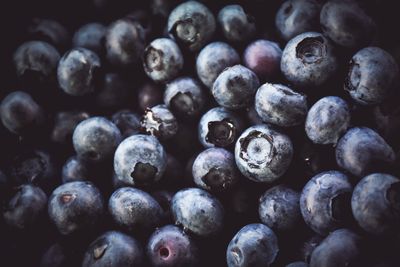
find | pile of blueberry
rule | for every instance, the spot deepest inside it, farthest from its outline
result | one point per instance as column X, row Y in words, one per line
column 203, row 133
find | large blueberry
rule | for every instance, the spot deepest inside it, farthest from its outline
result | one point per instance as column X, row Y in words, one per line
column 74, row 170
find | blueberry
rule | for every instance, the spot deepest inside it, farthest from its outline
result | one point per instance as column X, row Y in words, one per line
column 64, row 125
column 160, row 122
column 198, row 212
column 54, row 256
column 114, row 249
column 214, row 169
column 49, row 31
column 263, row 154
column 254, row 245
column 345, row 23
column 162, row 7
column 74, row 170
column 164, row 199
column 191, row 24
column 297, row 264
column 341, row 248
column 235, row 87
column 279, row 208
column 149, row 95
column 219, row 127
column 373, row 75
column 325, row 201
column 90, row 36
column 20, row 114
column 278, row 104
column 78, row 72
column 308, row 60
column 236, row 24
column 114, row 92
column 75, row 206
column 184, row 97
column 375, row 204
column 162, row 60
column 170, row 246
column 213, row 59
column 297, row 16
column 309, row 246
column 361, row 151
column 127, row 122
column 140, row 160
column 134, row 209
column 95, row 139
column 26, row 207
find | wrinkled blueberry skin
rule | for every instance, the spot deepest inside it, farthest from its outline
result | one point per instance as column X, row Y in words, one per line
column 308, row 60
column 114, row 91
column 235, row 87
column 127, row 122
column 236, row 25
column 219, row 127
column 341, row 248
column 254, row 245
column 140, row 160
column 373, row 75
column 20, row 114
column 74, row 170
column 134, row 209
column 36, row 61
column 184, row 97
column 214, row 169
column 26, row 207
column 78, row 72
column 75, row 206
column 160, row 122
column 263, row 154
column 114, row 249
column 279, row 208
column 278, row 104
column 64, row 125
column 297, row 16
column 325, row 201
column 198, row 212
column 361, row 150
column 375, row 204
column 191, row 24
column 327, row 120
column 162, row 60
column 169, row 246
column 90, row 36
column 297, row 264
column 149, row 95
column 213, row 59
column 346, row 24
column 95, row 139
column 49, row 31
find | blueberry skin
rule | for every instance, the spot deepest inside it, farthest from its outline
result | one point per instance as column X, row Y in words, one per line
column 164, row 198
column 236, row 24
column 162, row 60
column 74, row 170
column 127, row 122
column 90, row 36
column 254, row 245
column 375, row 204
column 95, row 139
column 54, row 256
column 160, row 122
column 219, row 127
column 36, row 61
column 75, row 206
column 114, row 92
column 49, row 31
column 327, row 120
column 297, row 264
column 235, row 87
column 78, row 72
column 198, row 212
column 140, row 160
column 278, row 104
column 360, row 151
column 279, row 208
column 134, row 209
column 191, row 24
column 263, row 154
column 184, row 97
column 213, row 59
column 149, row 95
column 64, row 125
column 341, row 248
column 346, row 24
column 20, row 114
column 114, row 249
column 169, row 246
column 324, row 201
column 297, row 16
column 308, row 60
column 214, row 169
column 373, row 75
column 26, row 207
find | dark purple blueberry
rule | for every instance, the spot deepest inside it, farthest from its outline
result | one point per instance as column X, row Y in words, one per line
column 49, row 31
column 74, row 170
column 149, row 95
column 90, row 36
column 64, row 125
column 164, row 199
column 162, row 7
column 160, row 122
column 127, row 122
column 297, row 264
column 114, row 92
column 54, row 256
